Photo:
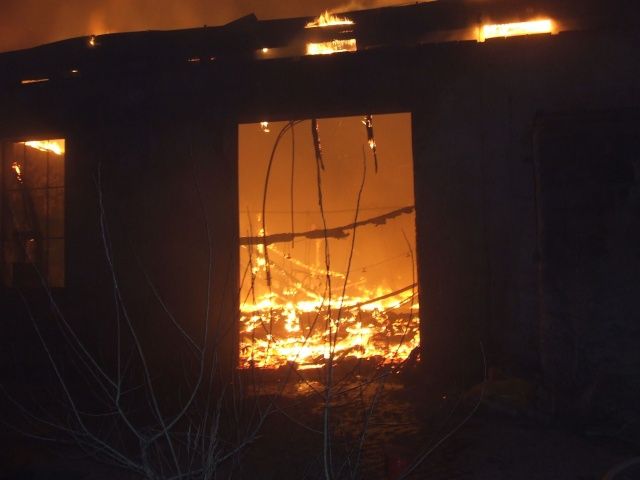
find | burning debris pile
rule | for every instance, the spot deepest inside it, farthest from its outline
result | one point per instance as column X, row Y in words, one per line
column 278, row 330
column 319, row 293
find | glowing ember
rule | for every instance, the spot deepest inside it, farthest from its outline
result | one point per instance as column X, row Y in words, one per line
column 328, row 20
column 368, row 123
column 54, row 146
column 274, row 334
column 15, row 166
column 264, row 126
column 34, row 80
column 92, row 41
column 515, row 29
column 298, row 326
column 333, row 46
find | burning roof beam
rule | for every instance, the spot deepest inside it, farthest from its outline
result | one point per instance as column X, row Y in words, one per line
column 516, row 29
column 328, row 20
column 31, row 81
column 332, row 46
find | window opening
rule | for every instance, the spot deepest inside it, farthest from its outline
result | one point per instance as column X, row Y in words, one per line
column 33, row 193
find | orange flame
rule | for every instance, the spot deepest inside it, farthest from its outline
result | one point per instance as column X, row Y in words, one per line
column 333, row 46
column 275, row 331
column 301, row 327
column 15, row 166
column 516, row 29
column 57, row 147
column 327, row 20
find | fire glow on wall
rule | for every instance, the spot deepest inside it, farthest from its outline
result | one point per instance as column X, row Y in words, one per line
column 327, row 228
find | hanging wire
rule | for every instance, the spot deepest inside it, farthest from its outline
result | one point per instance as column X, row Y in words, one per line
column 368, row 123
column 315, row 133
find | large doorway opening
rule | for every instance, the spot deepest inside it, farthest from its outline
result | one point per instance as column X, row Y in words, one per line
column 327, row 254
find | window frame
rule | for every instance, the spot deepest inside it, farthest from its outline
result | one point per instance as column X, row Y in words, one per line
column 7, row 143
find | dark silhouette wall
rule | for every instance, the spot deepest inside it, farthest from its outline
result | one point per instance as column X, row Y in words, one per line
column 161, row 137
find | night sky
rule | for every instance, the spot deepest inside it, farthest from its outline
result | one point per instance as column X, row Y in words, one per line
column 26, row 23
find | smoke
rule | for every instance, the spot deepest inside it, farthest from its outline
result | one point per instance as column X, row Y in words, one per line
column 366, row 4
column 301, row 8
column 26, row 23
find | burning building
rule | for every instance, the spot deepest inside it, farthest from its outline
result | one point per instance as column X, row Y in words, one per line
column 367, row 185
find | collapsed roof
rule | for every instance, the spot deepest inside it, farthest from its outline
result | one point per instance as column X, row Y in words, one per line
column 251, row 39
